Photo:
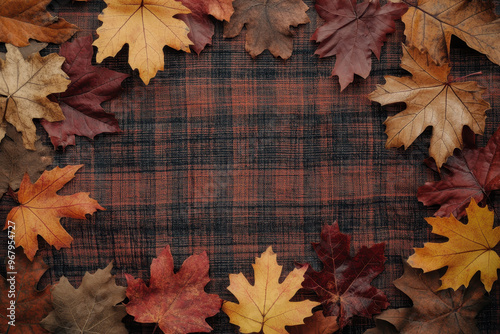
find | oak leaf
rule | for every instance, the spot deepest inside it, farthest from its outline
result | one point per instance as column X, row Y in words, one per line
column 177, row 303
column 41, row 208
column 469, row 249
column 343, row 285
column 16, row 160
column 146, row 26
column 81, row 102
column 317, row 324
column 431, row 100
column 27, row 82
column 353, row 31
column 430, row 24
column 22, row 20
column 201, row 28
column 31, row 305
column 265, row 306
column 92, row 308
column 470, row 173
column 268, row 24
column 444, row 311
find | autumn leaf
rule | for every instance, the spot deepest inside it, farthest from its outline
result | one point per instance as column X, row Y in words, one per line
column 266, row 306
column 41, row 208
column 28, row 50
column 81, row 102
column 317, row 324
column 470, row 173
column 31, row 305
column 27, row 82
column 201, row 28
column 353, row 31
column 445, row 311
column 430, row 24
column 92, row 308
column 343, row 286
column 469, row 249
column 22, row 20
column 177, row 303
column 146, row 26
column 268, row 24
column 431, row 100
column 16, row 160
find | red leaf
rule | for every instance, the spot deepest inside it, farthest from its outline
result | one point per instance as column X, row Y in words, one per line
column 343, row 286
column 470, row 173
column 176, row 302
column 352, row 32
column 81, row 102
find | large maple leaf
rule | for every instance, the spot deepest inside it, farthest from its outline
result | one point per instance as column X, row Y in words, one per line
column 23, row 96
column 41, row 208
column 268, row 24
column 201, row 27
column 31, row 305
column 470, row 173
column 92, row 308
column 22, row 20
column 265, row 307
column 431, row 100
column 430, row 25
column 352, row 32
column 177, row 303
column 445, row 311
column 470, row 249
column 343, row 285
column 146, row 26
column 81, row 102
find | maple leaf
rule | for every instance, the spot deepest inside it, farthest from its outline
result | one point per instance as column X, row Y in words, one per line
column 352, row 32
column 343, row 286
column 31, row 305
column 177, row 303
column 469, row 249
column 16, row 160
column 92, row 308
column 317, row 324
column 444, row 311
column 27, row 82
column 201, row 28
column 146, row 26
column 268, row 24
column 41, row 208
column 469, row 173
column 22, row 20
column 430, row 24
column 431, row 100
column 265, row 306
column 81, row 102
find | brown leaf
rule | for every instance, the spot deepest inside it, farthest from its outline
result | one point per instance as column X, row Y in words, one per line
column 268, row 24
column 317, row 324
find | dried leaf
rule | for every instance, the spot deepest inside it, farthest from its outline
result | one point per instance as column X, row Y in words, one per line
column 23, row 97
column 469, row 249
column 81, row 102
column 352, row 32
column 176, row 302
column 317, row 324
column 92, row 308
column 343, row 286
column 265, row 306
column 268, row 24
column 26, row 51
column 431, row 100
column 146, row 26
column 41, row 208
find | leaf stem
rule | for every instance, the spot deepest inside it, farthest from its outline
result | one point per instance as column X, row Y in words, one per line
column 154, row 330
column 466, row 76
column 12, row 194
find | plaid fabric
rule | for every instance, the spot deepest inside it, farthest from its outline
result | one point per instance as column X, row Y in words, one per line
column 230, row 154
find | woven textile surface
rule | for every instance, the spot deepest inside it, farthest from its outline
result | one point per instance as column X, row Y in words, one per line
column 229, row 154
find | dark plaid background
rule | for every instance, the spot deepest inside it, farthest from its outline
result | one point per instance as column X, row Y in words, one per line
column 230, row 154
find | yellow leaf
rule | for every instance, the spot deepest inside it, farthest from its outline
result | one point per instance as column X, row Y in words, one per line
column 469, row 249
column 146, row 26
column 265, row 306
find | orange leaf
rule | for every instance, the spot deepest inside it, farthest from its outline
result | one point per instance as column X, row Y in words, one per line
column 41, row 208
